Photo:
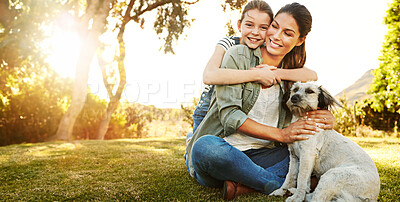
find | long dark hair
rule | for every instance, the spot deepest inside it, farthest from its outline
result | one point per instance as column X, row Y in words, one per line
column 296, row 58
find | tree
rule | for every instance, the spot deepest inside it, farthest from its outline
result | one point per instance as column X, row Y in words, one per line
column 188, row 111
column 92, row 24
column 171, row 15
column 385, row 89
column 30, row 92
column 138, row 117
column 170, row 23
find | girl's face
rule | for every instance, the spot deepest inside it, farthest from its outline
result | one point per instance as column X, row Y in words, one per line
column 283, row 35
column 254, row 27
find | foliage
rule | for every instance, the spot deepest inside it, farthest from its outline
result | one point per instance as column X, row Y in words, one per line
column 189, row 110
column 21, row 31
column 33, row 103
column 386, row 86
column 361, row 119
column 385, row 120
column 88, row 120
column 138, row 117
column 137, row 170
column 233, row 7
column 345, row 119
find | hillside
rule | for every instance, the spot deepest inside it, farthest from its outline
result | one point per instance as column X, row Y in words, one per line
column 358, row 90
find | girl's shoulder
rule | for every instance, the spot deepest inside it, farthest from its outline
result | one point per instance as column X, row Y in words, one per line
column 228, row 42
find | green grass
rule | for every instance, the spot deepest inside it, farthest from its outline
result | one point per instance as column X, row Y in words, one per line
column 136, row 169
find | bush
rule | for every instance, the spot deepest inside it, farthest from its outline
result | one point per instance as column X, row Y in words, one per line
column 345, row 119
column 31, row 105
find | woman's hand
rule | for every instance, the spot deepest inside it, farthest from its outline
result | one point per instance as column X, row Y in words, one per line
column 301, row 127
column 324, row 118
column 266, row 77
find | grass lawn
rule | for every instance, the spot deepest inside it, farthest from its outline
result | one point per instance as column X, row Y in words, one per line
column 137, row 169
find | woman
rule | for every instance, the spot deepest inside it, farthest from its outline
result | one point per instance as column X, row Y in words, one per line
column 234, row 142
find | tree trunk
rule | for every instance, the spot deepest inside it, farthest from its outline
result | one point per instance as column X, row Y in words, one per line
column 98, row 12
column 114, row 99
column 105, row 121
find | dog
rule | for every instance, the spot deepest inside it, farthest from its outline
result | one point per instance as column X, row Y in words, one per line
column 345, row 171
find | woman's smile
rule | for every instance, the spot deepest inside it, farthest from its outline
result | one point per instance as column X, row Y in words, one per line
column 283, row 35
column 274, row 44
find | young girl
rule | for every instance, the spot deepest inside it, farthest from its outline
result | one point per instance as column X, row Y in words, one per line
column 234, row 141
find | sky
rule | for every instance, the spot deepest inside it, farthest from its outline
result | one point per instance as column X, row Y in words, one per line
column 345, row 41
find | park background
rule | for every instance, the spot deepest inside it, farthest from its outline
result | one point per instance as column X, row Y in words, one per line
column 75, row 73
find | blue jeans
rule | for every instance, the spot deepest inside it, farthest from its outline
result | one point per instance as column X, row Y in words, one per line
column 202, row 107
column 215, row 161
column 200, row 111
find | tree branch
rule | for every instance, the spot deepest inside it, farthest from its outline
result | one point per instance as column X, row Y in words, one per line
column 150, row 7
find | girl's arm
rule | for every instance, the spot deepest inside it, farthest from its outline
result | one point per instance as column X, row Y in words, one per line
column 301, row 74
column 265, row 75
column 214, row 75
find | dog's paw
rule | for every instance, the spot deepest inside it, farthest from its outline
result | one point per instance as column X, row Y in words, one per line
column 278, row 192
column 295, row 198
column 292, row 190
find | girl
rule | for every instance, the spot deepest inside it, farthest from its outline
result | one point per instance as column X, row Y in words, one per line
column 234, row 141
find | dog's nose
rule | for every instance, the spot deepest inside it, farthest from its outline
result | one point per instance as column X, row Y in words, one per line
column 295, row 98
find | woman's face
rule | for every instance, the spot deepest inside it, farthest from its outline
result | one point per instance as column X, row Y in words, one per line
column 283, row 35
column 254, row 27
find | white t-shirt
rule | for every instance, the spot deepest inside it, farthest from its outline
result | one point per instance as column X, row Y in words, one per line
column 264, row 111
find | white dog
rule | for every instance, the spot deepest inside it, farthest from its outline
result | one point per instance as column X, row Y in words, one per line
column 344, row 169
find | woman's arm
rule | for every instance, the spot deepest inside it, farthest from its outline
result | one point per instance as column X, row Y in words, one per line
column 287, row 135
column 315, row 121
column 214, row 75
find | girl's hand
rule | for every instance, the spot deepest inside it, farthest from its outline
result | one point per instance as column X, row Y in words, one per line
column 266, row 77
column 324, row 118
column 301, row 127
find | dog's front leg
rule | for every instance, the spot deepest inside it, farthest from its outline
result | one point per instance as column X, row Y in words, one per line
column 290, row 181
column 306, row 165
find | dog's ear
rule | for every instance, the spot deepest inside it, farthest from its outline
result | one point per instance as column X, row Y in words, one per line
column 285, row 98
column 326, row 100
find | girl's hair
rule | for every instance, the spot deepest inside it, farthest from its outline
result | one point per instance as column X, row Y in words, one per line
column 259, row 5
column 296, row 58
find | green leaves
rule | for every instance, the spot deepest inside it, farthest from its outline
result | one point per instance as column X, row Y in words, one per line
column 385, row 89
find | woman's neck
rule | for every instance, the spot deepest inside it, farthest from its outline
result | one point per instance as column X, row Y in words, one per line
column 271, row 60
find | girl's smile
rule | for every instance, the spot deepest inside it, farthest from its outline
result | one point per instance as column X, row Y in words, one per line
column 254, row 28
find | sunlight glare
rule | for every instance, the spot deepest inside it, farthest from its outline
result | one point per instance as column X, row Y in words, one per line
column 64, row 45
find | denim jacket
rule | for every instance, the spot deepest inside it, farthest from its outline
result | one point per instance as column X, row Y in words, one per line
column 230, row 104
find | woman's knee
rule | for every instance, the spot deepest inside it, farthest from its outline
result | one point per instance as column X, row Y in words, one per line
column 207, row 143
column 212, row 148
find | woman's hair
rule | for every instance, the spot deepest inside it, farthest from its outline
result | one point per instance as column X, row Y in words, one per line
column 258, row 5
column 296, row 58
